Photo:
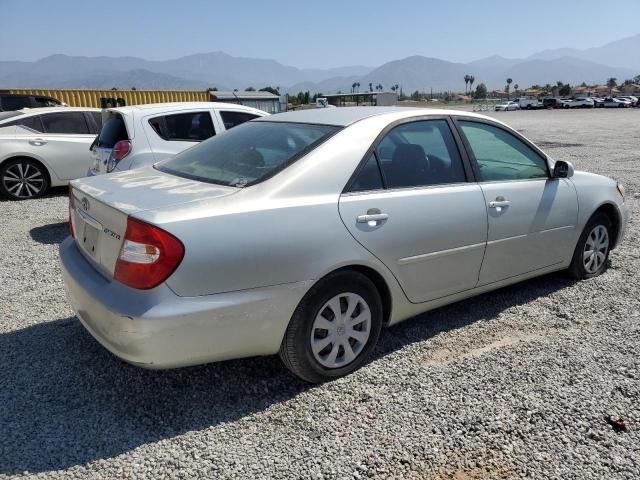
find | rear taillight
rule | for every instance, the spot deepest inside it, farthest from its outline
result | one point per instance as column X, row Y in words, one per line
column 71, row 229
column 118, row 152
column 148, row 255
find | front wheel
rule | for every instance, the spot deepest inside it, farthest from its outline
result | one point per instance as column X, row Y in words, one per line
column 592, row 251
column 334, row 329
column 23, row 178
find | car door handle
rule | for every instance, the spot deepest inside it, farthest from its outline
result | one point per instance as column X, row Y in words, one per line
column 376, row 217
column 37, row 142
column 499, row 203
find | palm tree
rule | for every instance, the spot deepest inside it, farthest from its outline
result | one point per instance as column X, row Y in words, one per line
column 370, row 87
column 612, row 83
column 508, row 89
column 357, row 86
column 353, row 87
column 466, row 82
column 516, row 87
column 471, row 80
column 379, row 87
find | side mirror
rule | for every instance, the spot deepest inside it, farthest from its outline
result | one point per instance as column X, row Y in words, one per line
column 563, row 169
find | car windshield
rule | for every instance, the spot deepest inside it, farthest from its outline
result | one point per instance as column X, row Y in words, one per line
column 248, row 153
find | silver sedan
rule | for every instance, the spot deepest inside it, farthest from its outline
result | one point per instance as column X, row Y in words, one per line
column 305, row 233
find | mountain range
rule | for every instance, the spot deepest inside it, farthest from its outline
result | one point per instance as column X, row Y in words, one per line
column 620, row 59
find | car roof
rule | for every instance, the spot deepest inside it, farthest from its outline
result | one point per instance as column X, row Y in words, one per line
column 344, row 116
column 43, row 110
column 151, row 108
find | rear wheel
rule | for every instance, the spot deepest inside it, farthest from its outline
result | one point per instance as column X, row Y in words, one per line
column 334, row 329
column 23, row 178
column 591, row 255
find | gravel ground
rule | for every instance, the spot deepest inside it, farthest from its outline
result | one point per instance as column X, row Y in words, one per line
column 517, row 383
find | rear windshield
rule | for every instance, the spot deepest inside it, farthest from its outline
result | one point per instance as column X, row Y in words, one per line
column 248, row 153
column 112, row 132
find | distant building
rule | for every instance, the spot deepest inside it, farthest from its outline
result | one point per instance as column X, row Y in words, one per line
column 265, row 101
column 631, row 89
column 380, row 99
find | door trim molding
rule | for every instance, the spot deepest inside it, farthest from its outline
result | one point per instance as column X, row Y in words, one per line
column 440, row 254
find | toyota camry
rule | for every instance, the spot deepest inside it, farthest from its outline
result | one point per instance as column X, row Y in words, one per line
column 304, row 234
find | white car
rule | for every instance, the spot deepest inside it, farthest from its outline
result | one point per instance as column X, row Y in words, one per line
column 506, row 106
column 140, row 135
column 615, row 103
column 580, row 102
column 631, row 98
column 44, row 147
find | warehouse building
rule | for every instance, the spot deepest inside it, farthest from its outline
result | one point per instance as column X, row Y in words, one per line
column 264, row 101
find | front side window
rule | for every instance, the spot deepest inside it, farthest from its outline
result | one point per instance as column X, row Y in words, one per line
column 68, row 122
column 233, row 119
column 420, row 153
column 500, row 155
column 184, row 127
column 247, row 154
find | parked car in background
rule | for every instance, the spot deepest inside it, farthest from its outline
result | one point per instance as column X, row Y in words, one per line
column 529, row 103
column 141, row 135
column 304, row 233
column 630, row 98
column 44, row 147
column 610, row 102
column 580, row 102
column 598, row 102
column 506, row 106
column 552, row 102
column 10, row 102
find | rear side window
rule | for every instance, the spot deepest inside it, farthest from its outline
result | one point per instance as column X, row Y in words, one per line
column 369, row 177
column 33, row 123
column 500, row 155
column 113, row 131
column 232, row 119
column 248, row 154
column 67, row 122
column 94, row 119
column 14, row 102
column 420, row 154
column 184, row 127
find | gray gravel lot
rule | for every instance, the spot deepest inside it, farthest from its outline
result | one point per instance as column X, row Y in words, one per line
column 512, row 384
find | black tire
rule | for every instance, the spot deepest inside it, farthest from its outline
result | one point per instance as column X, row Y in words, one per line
column 23, row 178
column 529, row 107
column 577, row 269
column 296, row 351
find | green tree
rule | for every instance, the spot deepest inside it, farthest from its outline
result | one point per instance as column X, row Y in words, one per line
column 636, row 79
column 565, row 90
column 466, row 83
column 370, row 87
column 481, row 92
column 612, row 83
column 275, row 91
column 379, row 87
column 416, row 96
column 508, row 87
column 471, row 80
column 249, row 89
column 516, row 87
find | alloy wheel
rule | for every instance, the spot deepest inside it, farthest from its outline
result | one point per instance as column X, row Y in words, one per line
column 341, row 330
column 23, row 180
column 595, row 249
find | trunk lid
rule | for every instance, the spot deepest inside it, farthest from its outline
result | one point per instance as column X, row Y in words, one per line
column 99, row 207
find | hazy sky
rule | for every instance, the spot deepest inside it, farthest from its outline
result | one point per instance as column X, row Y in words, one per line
column 320, row 34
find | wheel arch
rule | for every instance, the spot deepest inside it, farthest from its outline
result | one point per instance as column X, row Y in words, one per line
column 612, row 212
column 378, row 281
column 47, row 170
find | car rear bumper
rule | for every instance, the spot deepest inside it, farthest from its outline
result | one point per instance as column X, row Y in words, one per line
column 158, row 329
